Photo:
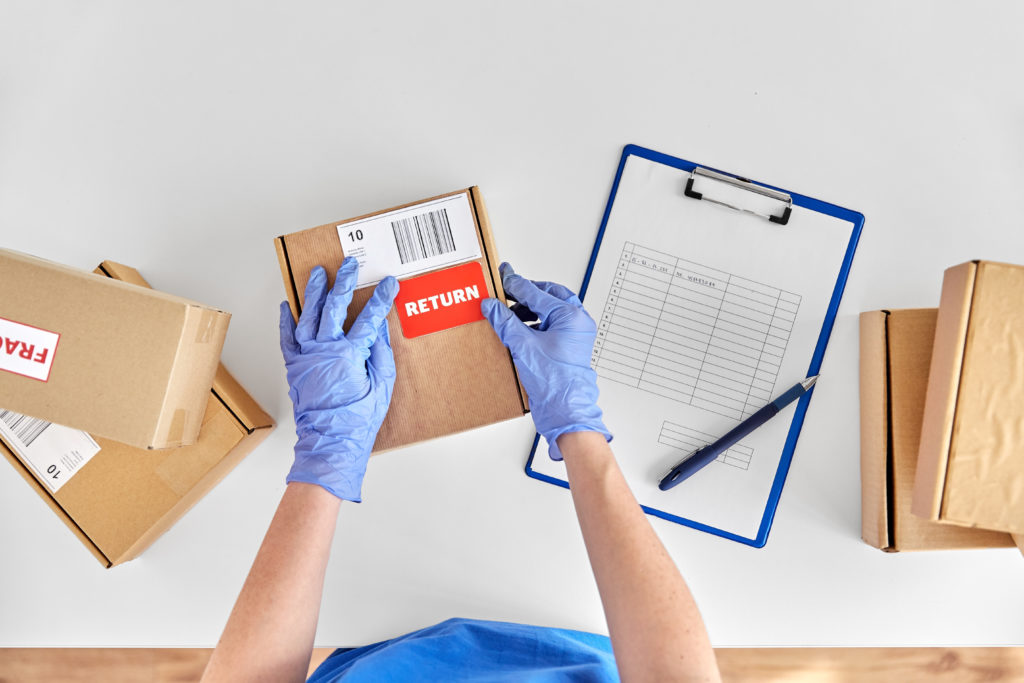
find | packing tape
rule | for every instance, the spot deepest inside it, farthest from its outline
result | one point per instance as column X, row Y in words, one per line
column 185, row 467
column 207, row 321
column 177, row 428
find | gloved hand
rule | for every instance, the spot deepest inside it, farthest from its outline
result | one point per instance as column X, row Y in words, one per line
column 553, row 359
column 340, row 385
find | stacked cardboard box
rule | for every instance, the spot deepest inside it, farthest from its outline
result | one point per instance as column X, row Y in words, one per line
column 895, row 354
column 94, row 353
column 942, row 416
column 110, row 487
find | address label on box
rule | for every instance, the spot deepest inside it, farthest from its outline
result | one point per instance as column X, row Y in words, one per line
column 27, row 350
column 438, row 301
column 55, row 452
column 416, row 239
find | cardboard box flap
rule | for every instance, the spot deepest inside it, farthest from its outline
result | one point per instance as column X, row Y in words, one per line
column 202, row 324
column 228, row 390
column 985, row 472
column 487, row 241
column 119, row 271
column 291, row 293
column 908, row 332
column 25, row 259
column 943, row 384
column 245, row 409
column 876, row 448
column 53, row 505
column 126, row 497
column 193, row 491
column 491, row 256
column 184, row 404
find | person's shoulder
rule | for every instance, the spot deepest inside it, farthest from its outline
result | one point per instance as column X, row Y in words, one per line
column 474, row 649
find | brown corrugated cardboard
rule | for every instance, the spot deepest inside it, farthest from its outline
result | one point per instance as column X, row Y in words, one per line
column 972, row 462
column 448, row 381
column 895, row 353
column 130, row 364
column 124, row 498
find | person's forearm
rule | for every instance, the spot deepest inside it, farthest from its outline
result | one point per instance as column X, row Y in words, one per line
column 269, row 636
column 656, row 629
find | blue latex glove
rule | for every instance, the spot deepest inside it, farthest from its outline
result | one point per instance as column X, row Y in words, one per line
column 553, row 359
column 340, row 385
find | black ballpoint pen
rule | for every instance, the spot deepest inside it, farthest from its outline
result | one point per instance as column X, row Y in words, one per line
column 689, row 465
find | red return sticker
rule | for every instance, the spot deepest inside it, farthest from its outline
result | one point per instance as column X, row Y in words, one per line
column 442, row 299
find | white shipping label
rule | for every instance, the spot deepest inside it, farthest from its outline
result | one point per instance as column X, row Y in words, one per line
column 55, row 452
column 427, row 236
column 27, row 350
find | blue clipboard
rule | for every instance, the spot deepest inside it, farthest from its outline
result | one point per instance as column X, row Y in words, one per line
column 853, row 217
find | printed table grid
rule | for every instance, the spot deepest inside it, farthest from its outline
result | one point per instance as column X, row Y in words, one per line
column 689, row 440
column 691, row 333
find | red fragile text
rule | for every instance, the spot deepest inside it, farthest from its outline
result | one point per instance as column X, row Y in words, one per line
column 27, row 350
column 23, row 350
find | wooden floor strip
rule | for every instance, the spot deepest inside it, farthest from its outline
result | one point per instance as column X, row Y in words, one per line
column 842, row 665
column 738, row 665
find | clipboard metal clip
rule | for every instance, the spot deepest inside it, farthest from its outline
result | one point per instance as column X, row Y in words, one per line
column 743, row 184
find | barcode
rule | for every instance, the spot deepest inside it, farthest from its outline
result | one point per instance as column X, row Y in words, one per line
column 423, row 236
column 26, row 429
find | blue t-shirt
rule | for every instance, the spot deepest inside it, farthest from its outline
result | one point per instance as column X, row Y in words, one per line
column 471, row 650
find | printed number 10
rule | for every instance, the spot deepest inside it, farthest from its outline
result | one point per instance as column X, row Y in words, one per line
column 355, row 235
column 52, row 469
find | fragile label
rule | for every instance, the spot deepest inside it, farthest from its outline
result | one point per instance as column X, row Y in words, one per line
column 53, row 451
column 440, row 300
column 27, row 350
column 412, row 240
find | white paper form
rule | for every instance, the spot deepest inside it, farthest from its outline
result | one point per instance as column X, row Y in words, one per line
column 704, row 316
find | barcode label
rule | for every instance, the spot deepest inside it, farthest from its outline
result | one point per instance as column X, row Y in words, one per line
column 26, row 429
column 421, row 237
column 53, row 451
column 412, row 240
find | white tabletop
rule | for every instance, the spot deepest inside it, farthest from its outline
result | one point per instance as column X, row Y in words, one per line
column 182, row 137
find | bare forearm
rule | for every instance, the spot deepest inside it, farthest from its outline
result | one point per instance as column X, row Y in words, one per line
column 656, row 629
column 269, row 636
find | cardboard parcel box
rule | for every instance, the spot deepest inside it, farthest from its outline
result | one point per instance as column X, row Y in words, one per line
column 118, row 361
column 453, row 372
column 895, row 353
column 971, row 466
column 118, row 499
